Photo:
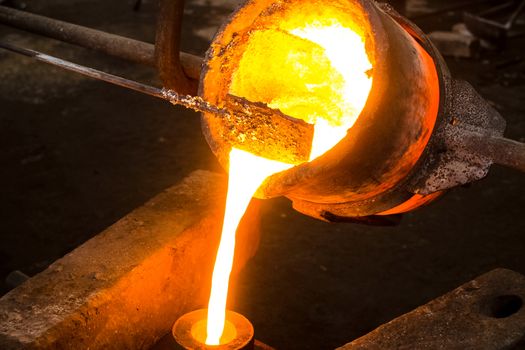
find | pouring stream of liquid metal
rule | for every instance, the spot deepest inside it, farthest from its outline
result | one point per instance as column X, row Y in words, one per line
column 248, row 171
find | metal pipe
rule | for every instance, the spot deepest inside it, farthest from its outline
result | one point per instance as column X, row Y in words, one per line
column 111, row 44
column 500, row 150
column 167, row 48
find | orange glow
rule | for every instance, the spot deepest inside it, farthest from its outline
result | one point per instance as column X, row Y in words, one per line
column 247, row 172
column 318, row 72
column 199, row 332
column 351, row 61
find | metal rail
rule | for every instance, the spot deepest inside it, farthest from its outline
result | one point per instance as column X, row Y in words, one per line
column 111, row 44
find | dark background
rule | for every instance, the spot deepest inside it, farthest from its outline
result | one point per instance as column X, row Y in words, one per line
column 76, row 155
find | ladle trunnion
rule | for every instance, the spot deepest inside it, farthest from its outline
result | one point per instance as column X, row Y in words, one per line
column 412, row 140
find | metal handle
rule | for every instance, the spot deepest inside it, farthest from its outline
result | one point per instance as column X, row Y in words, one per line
column 500, row 150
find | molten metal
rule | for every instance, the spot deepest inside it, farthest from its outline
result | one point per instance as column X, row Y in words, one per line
column 247, row 171
column 310, row 76
column 189, row 331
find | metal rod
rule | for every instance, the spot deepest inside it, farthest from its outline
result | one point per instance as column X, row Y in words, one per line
column 500, row 150
column 239, row 117
column 111, row 44
column 193, row 102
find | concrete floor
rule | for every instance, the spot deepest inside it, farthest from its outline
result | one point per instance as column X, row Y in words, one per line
column 78, row 154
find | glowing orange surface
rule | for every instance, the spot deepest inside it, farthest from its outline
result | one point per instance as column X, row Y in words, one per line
column 199, row 332
column 247, row 172
column 303, row 69
column 311, row 76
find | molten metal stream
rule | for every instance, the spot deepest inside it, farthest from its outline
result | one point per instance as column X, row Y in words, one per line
column 247, row 172
column 349, row 80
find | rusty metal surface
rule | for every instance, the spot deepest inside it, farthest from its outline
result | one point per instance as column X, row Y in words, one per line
column 256, row 128
column 111, row 44
column 450, row 163
column 468, row 138
column 167, row 47
column 500, row 150
column 484, row 314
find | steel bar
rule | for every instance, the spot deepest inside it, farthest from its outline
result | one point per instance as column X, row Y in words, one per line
column 192, row 102
column 111, row 44
column 500, row 150
column 486, row 313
